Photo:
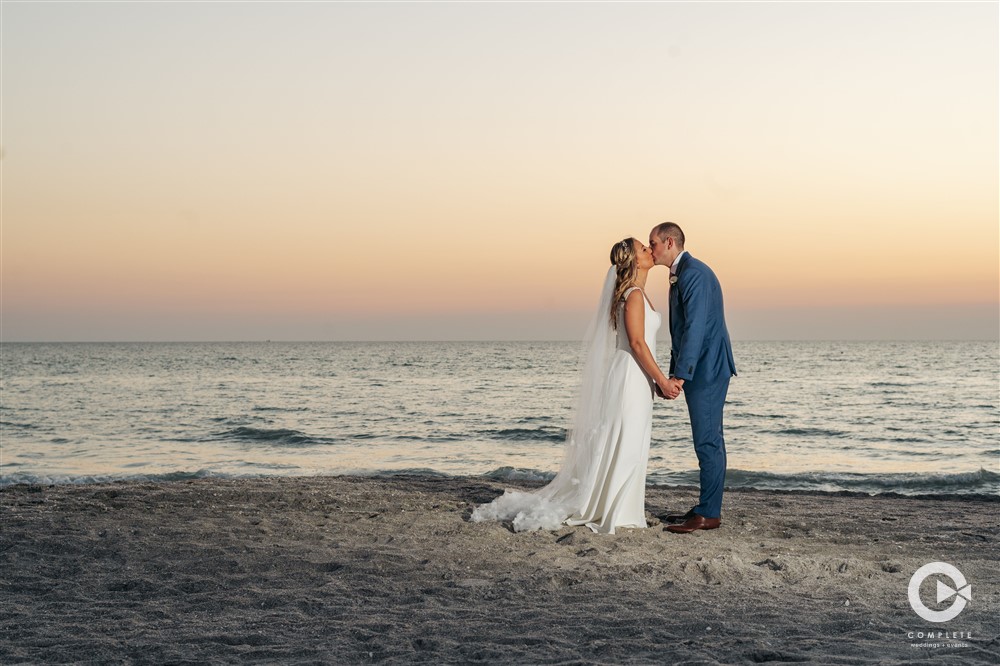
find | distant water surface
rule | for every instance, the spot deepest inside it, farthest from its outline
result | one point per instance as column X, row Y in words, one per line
column 908, row 417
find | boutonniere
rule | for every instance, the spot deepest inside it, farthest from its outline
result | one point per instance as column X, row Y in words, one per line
column 673, row 280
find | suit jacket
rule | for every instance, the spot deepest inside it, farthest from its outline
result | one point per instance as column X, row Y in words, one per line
column 700, row 350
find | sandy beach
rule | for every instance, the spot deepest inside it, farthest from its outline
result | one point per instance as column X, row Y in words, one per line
column 353, row 570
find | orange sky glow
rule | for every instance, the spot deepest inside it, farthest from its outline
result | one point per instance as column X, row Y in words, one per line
column 384, row 171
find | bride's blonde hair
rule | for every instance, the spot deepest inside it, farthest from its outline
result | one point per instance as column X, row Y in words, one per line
column 626, row 269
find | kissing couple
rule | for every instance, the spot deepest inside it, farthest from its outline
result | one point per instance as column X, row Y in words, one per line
column 602, row 480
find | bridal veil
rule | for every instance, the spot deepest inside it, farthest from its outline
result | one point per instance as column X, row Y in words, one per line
column 562, row 498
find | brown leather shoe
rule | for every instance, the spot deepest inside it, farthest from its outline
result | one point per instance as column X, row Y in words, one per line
column 695, row 523
column 679, row 517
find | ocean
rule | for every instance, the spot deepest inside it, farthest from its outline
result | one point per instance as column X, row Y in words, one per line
column 913, row 418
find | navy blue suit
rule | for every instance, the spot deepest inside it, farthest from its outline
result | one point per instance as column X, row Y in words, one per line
column 702, row 355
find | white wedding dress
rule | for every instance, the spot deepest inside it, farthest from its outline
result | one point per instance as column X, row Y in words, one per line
column 602, row 480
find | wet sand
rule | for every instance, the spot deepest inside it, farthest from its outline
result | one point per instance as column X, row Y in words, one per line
column 353, row 570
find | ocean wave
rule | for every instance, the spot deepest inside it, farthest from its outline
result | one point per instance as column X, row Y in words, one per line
column 67, row 479
column 23, row 426
column 518, row 474
column 806, row 432
column 896, row 454
column 280, row 409
column 543, row 433
column 273, row 436
column 900, row 440
column 980, row 483
column 430, row 439
column 413, row 471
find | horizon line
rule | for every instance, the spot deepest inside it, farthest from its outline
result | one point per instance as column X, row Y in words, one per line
column 483, row 340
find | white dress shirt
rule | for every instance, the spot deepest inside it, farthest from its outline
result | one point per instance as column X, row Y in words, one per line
column 677, row 260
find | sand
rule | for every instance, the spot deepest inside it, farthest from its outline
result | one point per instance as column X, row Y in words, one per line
column 353, row 570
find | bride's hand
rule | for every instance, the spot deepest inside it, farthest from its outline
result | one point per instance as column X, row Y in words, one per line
column 673, row 388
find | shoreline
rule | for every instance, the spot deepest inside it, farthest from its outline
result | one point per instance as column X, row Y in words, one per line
column 526, row 478
column 388, row 569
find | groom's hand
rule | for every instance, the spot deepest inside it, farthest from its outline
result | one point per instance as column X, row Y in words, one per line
column 673, row 388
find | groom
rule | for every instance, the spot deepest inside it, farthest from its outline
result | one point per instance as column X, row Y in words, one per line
column 701, row 364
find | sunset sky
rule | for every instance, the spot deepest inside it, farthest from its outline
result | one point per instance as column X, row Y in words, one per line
column 391, row 171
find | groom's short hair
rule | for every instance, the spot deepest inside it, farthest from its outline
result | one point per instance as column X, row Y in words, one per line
column 665, row 229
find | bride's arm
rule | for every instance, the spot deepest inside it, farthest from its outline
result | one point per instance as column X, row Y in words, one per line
column 635, row 327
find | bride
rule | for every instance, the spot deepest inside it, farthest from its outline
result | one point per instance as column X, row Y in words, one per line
column 602, row 480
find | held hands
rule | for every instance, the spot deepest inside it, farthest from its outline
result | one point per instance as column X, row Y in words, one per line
column 671, row 389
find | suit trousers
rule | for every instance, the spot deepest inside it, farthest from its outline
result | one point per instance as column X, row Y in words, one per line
column 705, row 404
